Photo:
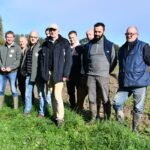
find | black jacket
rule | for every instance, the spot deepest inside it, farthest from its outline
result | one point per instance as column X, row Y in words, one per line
column 60, row 53
column 77, row 60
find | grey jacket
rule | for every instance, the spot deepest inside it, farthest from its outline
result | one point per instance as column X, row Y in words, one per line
column 35, row 57
column 10, row 57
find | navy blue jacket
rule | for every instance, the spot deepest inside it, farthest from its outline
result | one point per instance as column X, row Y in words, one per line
column 133, row 71
column 62, row 59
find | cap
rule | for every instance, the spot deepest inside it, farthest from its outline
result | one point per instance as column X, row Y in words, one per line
column 54, row 26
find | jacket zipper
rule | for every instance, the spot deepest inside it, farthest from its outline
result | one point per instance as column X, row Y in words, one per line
column 6, row 57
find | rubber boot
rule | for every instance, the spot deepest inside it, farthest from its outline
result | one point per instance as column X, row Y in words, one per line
column 107, row 110
column 120, row 116
column 136, row 119
column 93, row 111
column 1, row 101
column 15, row 99
column 98, row 109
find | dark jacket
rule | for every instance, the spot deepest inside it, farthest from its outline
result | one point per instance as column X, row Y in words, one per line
column 133, row 70
column 61, row 59
column 76, row 60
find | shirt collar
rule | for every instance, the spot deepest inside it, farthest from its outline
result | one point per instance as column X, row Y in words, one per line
column 9, row 46
column 77, row 44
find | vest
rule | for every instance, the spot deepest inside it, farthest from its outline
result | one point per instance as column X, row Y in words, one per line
column 133, row 72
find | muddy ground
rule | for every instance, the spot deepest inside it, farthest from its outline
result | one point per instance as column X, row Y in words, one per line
column 145, row 121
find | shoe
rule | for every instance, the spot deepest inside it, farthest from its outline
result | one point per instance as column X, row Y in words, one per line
column 120, row 116
column 91, row 122
column 98, row 118
column 15, row 100
column 27, row 114
column 59, row 123
column 40, row 116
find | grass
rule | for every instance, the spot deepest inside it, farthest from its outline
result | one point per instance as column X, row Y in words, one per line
column 18, row 132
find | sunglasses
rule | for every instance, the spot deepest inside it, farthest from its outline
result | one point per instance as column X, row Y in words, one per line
column 51, row 29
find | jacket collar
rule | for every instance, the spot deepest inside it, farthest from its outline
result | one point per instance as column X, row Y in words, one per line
column 36, row 45
column 58, row 40
column 132, row 44
column 11, row 45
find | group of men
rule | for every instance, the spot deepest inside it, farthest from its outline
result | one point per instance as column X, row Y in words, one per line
column 85, row 69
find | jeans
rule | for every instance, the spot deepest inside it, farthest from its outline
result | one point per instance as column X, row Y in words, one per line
column 48, row 95
column 12, row 79
column 28, row 96
column 43, row 98
column 138, row 97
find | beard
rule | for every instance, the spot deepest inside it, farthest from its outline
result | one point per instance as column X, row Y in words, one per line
column 98, row 37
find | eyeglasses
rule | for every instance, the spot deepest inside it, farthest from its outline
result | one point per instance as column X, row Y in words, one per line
column 33, row 37
column 130, row 34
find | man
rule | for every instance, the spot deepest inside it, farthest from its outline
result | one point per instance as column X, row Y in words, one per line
column 29, row 68
column 48, row 94
column 134, row 76
column 90, row 34
column 56, row 61
column 75, row 74
column 101, row 61
column 10, row 55
column 83, row 89
column 47, row 32
column 21, row 78
column 46, row 86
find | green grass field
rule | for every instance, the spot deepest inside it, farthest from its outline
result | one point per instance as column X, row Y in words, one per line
column 18, row 132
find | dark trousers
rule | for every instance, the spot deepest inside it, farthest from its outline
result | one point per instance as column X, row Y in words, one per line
column 21, row 85
column 72, row 87
column 82, row 92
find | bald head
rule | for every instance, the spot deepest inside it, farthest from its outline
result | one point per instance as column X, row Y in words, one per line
column 90, row 34
column 34, row 36
column 23, row 42
column 133, row 29
column 131, row 34
column 34, row 33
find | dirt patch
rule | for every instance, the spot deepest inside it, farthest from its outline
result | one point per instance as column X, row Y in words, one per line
column 145, row 121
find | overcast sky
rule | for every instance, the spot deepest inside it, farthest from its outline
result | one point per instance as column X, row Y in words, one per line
column 23, row 16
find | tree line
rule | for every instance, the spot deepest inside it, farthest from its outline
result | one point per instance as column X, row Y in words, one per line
column 17, row 37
